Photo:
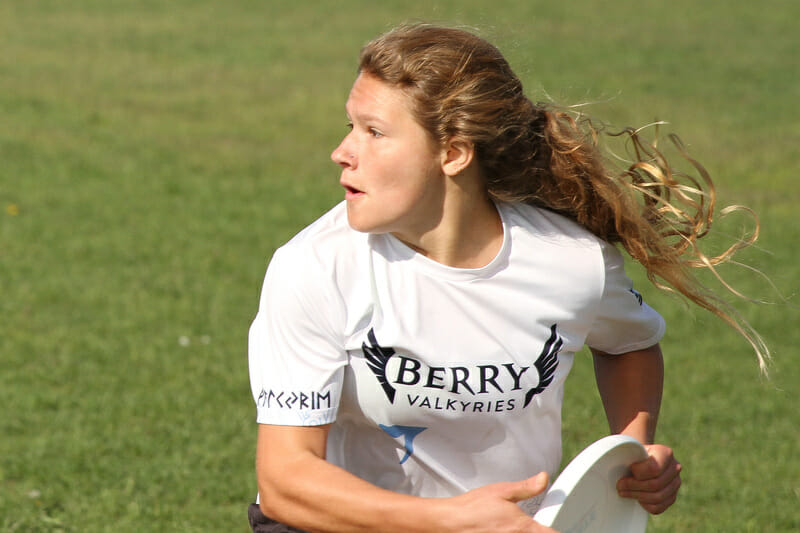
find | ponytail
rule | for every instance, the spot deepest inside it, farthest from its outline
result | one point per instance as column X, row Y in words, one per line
column 461, row 86
column 657, row 214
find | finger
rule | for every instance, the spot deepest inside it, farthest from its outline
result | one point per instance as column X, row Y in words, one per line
column 527, row 488
column 630, row 484
column 660, row 458
column 647, row 469
column 539, row 528
column 658, row 502
column 656, row 498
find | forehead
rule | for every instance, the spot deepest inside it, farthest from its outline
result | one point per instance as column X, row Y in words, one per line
column 372, row 96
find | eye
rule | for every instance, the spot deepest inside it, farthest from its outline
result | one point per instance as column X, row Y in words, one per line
column 375, row 133
column 349, row 125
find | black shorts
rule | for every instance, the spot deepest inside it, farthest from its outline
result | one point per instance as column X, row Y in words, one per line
column 261, row 523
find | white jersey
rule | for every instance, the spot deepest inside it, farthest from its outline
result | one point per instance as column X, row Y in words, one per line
column 438, row 380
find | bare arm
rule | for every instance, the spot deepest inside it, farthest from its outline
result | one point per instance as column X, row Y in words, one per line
column 631, row 386
column 299, row 487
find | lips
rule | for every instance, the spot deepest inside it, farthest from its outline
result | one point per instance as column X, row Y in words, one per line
column 351, row 192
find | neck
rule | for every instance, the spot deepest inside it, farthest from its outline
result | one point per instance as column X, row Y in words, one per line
column 470, row 231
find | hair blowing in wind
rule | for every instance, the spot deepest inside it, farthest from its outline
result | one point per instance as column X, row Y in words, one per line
column 461, row 86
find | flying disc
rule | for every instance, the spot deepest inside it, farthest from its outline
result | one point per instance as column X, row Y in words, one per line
column 584, row 497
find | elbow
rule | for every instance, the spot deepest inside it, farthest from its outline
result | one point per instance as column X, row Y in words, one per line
column 263, row 506
column 286, row 460
column 280, row 497
column 267, row 510
column 272, row 512
column 269, row 501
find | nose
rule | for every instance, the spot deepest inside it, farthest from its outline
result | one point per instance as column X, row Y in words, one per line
column 344, row 154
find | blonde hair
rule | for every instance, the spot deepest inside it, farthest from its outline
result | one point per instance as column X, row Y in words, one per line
column 460, row 85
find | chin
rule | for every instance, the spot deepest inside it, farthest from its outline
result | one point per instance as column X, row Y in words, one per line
column 371, row 220
column 364, row 226
column 358, row 224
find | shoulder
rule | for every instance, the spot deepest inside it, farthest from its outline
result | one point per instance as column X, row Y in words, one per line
column 323, row 269
column 556, row 240
column 328, row 231
column 570, row 252
column 548, row 226
column 328, row 244
column 306, row 275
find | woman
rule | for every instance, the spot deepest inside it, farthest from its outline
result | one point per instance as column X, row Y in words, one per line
column 411, row 346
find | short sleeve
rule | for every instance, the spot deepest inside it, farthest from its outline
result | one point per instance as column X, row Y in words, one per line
column 295, row 352
column 623, row 322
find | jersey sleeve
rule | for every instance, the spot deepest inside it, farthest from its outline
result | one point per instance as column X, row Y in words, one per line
column 295, row 352
column 624, row 322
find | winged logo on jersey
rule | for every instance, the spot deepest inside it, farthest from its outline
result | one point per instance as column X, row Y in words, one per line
column 637, row 295
column 546, row 364
column 377, row 358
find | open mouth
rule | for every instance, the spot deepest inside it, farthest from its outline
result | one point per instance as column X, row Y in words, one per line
column 351, row 192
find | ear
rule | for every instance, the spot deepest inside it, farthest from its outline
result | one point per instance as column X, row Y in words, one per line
column 457, row 154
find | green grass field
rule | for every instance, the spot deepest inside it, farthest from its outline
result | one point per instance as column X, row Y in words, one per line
column 154, row 154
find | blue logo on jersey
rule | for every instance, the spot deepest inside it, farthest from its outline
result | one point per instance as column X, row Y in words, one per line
column 408, row 433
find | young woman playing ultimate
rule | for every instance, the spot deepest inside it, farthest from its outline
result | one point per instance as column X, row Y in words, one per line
column 410, row 350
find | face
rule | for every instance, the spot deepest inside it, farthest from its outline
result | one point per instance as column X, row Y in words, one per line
column 391, row 168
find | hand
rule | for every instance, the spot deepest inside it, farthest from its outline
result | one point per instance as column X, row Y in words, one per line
column 493, row 508
column 654, row 481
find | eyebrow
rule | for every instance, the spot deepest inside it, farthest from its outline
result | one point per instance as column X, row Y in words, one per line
column 365, row 117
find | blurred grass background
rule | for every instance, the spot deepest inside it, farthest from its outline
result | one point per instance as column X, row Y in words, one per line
column 153, row 155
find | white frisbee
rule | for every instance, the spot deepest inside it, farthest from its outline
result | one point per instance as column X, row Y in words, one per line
column 584, row 496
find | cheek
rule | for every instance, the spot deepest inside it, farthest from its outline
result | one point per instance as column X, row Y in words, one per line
column 406, row 169
column 411, row 177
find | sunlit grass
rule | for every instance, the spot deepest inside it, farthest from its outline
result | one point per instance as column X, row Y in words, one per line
column 153, row 155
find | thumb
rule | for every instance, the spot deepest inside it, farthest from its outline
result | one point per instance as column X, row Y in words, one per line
column 527, row 488
column 644, row 470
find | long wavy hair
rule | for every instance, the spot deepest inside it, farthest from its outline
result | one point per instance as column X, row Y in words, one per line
column 460, row 85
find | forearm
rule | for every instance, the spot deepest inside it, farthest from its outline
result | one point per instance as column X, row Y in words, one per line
column 304, row 490
column 631, row 386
